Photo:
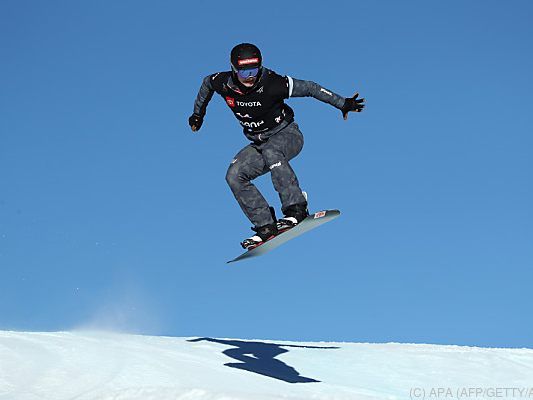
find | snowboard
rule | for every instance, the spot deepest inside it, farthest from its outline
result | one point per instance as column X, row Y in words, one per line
column 311, row 222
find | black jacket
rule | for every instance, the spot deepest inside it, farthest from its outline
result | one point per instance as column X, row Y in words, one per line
column 261, row 111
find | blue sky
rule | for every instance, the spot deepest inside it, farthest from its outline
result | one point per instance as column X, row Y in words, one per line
column 112, row 213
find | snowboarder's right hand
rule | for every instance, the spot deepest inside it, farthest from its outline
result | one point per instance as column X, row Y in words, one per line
column 195, row 122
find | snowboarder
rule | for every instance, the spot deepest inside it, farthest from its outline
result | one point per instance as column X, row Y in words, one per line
column 256, row 96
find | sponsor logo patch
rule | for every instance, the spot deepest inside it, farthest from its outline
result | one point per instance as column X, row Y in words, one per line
column 248, row 103
column 230, row 101
column 248, row 61
column 252, row 124
column 319, row 214
column 278, row 164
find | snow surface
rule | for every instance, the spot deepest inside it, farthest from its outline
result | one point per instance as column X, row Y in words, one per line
column 97, row 365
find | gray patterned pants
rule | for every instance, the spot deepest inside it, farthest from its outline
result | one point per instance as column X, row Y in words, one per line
column 257, row 159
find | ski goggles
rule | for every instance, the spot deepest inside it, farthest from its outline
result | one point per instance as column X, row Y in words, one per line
column 247, row 73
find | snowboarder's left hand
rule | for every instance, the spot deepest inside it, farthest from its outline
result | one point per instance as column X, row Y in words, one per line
column 352, row 104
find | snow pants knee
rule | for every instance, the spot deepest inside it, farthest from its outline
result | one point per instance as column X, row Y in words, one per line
column 257, row 159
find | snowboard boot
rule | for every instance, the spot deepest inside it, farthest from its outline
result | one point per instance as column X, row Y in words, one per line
column 263, row 234
column 293, row 216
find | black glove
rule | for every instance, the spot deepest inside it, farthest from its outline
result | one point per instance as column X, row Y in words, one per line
column 352, row 104
column 195, row 122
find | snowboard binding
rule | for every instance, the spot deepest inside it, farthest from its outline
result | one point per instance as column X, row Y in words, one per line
column 293, row 216
column 263, row 233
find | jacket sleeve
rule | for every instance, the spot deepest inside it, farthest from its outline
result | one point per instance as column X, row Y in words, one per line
column 300, row 88
column 204, row 96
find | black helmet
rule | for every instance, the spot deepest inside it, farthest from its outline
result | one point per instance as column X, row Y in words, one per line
column 245, row 56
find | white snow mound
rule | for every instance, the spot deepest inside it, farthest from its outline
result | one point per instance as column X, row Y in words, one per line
column 97, row 365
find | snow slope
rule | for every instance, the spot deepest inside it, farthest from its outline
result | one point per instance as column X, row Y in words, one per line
column 96, row 365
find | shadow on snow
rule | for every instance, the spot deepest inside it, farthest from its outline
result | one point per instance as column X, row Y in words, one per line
column 259, row 357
